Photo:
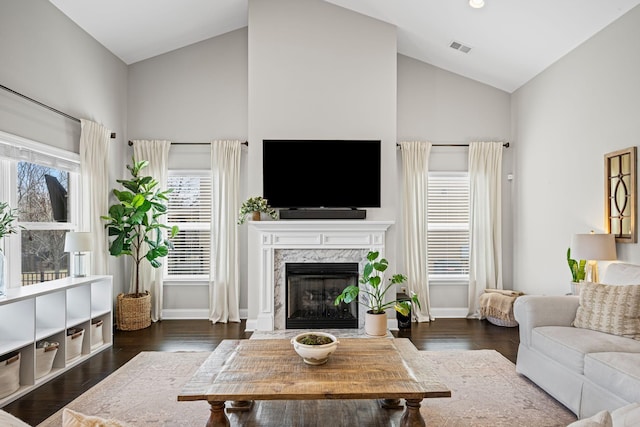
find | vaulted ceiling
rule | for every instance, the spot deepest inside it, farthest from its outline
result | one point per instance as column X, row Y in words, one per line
column 508, row 42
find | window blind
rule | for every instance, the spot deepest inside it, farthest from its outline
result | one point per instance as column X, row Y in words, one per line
column 189, row 208
column 448, row 225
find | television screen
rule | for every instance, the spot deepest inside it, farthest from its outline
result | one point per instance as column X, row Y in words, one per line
column 321, row 173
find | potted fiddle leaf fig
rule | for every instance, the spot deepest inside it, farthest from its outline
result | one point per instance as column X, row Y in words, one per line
column 134, row 226
column 373, row 291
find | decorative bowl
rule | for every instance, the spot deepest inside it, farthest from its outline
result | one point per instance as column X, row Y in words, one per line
column 314, row 354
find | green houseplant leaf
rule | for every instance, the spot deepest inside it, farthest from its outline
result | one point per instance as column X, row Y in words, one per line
column 134, row 224
column 578, row 268
column 373, row 289
column 8, row 217
column 255, row 204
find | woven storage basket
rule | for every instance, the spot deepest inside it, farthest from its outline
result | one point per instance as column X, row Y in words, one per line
column 9, row 374
column 45, row 353
column 96, row 333
column 133, row 313
column 500, row 322
column 75, row 336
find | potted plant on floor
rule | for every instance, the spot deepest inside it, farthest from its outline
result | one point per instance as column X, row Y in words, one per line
column 133, row 223
column 254, row 206
column 373, row 292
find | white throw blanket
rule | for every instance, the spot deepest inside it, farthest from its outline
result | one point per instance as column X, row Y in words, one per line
column 498, row 303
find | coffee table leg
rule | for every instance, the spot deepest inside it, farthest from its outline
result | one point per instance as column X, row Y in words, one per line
column 412, row 416
column 217, row 417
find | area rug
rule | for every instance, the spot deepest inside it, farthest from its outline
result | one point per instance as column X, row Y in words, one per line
column 486, row 391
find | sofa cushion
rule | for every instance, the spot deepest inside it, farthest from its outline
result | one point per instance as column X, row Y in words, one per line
column 614, row 309
column 620, row 273
column 601, row 419
column 568, row 345
column 617, row 372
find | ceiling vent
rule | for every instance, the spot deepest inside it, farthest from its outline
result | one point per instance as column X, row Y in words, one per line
column 459, row 46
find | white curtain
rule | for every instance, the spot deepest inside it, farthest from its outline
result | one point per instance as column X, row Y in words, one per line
column 225, row 274
column 94, row 182
column 156, row 152
column 485, row 221
column 415, row 177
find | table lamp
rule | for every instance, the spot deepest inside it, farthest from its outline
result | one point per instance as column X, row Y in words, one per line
column 77, row 243
column 593, row 248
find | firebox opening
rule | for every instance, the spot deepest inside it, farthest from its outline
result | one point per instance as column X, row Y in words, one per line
column 311, row 290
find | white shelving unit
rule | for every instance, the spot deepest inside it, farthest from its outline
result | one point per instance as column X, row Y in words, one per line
column 44, row 312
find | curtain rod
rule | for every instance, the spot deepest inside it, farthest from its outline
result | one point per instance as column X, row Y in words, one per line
column 75, row 119
column 191, row 143
column 505, row 145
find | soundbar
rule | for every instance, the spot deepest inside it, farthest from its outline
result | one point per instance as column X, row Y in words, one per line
column 323, row 214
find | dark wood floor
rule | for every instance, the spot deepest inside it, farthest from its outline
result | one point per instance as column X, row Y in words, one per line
column 201, row 335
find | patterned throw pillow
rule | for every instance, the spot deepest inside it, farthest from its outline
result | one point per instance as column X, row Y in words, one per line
column 72, row 418
column 614, row 309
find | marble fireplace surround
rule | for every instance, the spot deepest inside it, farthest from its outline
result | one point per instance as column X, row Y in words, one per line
column 272, row 244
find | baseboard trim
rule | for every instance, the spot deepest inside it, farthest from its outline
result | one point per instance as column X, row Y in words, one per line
column 192, row 313
column 450, row 312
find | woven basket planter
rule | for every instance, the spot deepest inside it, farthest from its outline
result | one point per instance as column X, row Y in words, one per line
column 133, row 313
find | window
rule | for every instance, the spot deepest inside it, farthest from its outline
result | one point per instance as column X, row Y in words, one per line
column 42, row 183
column 448, row 226
column 190, row 209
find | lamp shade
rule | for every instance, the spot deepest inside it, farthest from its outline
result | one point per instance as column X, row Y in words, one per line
column 75, row 241
column 596, row 247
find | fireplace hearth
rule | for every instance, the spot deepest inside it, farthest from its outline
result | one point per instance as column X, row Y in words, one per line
column 311, row 289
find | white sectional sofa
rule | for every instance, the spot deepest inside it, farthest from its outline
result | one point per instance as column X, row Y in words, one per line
column 586, row 370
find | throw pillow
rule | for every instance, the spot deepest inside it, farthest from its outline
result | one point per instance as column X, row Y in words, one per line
column 71, row 418
column 614, row 309
column 601, row 419
column 627, row 416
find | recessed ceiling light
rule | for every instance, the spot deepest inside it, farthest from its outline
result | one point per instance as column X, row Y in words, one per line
column 476, row 4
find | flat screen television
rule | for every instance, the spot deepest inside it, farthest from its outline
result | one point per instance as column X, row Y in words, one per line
column 321, row 173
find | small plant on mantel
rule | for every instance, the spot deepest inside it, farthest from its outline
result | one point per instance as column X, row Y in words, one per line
column 253, row 205
column 374, row 288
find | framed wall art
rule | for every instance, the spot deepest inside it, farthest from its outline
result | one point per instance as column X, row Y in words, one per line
column 620, row 194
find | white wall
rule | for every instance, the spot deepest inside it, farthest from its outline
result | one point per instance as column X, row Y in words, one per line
column 192, row 95
column 319, row 71
column 442, row 107
column 310, row 70
column 565, row 121
column 49, row 58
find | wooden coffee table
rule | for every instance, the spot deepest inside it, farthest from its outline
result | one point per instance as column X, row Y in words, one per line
column 241, row 371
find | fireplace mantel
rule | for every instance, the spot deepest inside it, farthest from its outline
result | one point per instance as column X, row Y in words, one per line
column 266, row 237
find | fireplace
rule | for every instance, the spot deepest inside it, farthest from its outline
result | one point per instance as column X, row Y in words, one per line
column 310, row 291
column 274, row 244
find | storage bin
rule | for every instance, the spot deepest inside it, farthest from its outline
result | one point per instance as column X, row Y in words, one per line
column 45, row 353
column 96, row 333
column 74, row 343
column 9, row 373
